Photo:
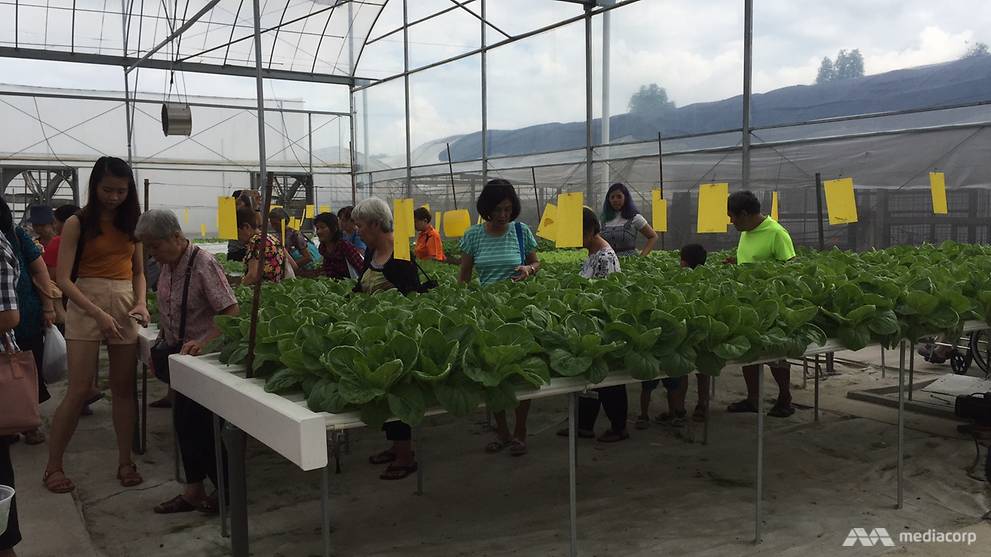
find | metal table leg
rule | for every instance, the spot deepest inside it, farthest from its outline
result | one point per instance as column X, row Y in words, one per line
column 816, row 404
column 419, row 470
column 901, row 419
column 572, row 473
column 136, row 436
column 805, row 373
column 235, row 440
column 218, row 449
column 143, row 420
column 911, row 370
column 759, row 480
column 708, row 412
column 325, row 508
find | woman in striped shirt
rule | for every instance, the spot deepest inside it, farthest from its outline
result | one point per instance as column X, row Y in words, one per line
column 501, row 249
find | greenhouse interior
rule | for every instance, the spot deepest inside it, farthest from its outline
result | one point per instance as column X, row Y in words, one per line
column 329, row 263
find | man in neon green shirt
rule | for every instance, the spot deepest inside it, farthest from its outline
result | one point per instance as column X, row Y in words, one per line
column 761, row 239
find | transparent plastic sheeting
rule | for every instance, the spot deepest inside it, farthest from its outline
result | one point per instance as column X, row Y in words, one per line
column 888, row 157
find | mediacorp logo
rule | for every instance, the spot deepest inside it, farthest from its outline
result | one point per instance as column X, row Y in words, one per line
column 876, row 536
column 868, row 539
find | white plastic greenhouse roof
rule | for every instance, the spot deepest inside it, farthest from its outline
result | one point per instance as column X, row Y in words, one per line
column 306, row 40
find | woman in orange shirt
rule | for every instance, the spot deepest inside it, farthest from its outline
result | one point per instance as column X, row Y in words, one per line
column 428, row 244
column 101, row 270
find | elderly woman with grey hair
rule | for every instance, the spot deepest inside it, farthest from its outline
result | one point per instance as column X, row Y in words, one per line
column 192, row 290
column 383, row 272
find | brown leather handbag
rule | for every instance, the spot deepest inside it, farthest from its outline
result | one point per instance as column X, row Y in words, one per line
column 18, row 389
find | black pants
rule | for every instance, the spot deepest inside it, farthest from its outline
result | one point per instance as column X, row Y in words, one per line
column 12, row 536
column 613, row 401
column 397, row 431
column 194, row 430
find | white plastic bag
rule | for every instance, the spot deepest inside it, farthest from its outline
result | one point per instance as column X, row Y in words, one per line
column 55, row 361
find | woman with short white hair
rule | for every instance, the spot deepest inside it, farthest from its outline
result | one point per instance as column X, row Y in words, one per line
column 382, row 272
column 192, row 290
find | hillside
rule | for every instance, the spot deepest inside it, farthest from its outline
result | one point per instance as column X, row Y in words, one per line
column 951, row 83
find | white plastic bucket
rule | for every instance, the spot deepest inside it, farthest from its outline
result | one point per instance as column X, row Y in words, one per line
column 6, row 496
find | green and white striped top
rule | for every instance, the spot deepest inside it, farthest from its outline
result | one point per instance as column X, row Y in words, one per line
column 496, row 257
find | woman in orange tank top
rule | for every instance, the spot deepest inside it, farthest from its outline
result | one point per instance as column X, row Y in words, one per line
column 101, row 270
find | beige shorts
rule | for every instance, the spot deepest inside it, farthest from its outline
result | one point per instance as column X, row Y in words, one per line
column 116, row 297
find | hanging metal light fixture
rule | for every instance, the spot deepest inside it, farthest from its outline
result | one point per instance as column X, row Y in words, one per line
column 177, row 119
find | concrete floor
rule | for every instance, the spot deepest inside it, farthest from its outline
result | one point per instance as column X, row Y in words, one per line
column 656, row 493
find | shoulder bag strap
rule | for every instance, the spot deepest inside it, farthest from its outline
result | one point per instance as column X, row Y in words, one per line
column 185, row 294
column 519, row 240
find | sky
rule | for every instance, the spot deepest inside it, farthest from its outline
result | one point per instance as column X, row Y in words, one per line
column 692, row 48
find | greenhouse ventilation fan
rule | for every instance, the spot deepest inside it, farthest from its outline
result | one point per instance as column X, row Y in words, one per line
column 177, row 119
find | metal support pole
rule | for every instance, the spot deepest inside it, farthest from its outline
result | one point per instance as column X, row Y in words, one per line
column 589, row 191
column 572, row 473
column 748, row 71
column 450, row 170
column 606, row 44
column 660, row 175
column 536, row 196
column 485, row 105
column 883, row 367
column 218, row 449
column 263, row 175
column 235, row 440
column 147, row 195
column 351, row 115
column 901, row 419
column 309, row 149
column 805, row 373
column 759, row 479
column 819, row 224
column 409, row 149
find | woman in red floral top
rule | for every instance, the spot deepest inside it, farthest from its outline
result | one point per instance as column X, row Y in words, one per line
column 337, row 252
column 268, row 263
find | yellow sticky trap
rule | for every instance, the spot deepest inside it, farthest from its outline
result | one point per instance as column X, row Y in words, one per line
column 203, row 231
column 325, row 208
column 402, row 211
column 480, row 221
column 294, row 223
column 547, row 222
column 309, row 211
column 437, row 220
column 774, row 205
column 659, row 211
column 426, row 206
column 227, row 218
column 283, row 237
column 568, row 230
column 400, row 247
column 712, row 213
column 185, row 216
column 841, row 203
column 456, row 223
column 937, row 183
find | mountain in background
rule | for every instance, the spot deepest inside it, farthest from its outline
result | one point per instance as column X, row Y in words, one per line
column 963, row 81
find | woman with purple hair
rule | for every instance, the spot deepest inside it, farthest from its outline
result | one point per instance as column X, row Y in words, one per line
column 622, row 223
column 622, row 226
